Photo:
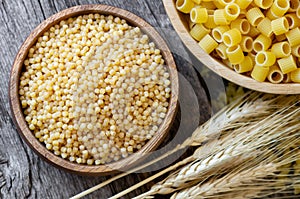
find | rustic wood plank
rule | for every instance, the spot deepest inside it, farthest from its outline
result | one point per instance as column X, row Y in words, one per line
column 22, row 173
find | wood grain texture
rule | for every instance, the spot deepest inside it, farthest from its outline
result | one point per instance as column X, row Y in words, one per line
column 25, row 175
column 180, row 23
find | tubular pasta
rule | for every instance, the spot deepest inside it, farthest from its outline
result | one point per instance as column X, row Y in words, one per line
column 254, row 16
column 294, row 5
column 218, row 32
column 221, row 51
column 235, row 54
column 245, row 66
column 247, row 44
column 260, row 73
column 293, row 20
column 220, row 18
column 264, row 4
column 275, row 75
column 265, row 27
column 210, row 22
column 208, row 44
column 296, row 51
column 280, row 26
column 295, row 75
column 265, row 58
column 293, row 36
column 199, row 31
column 287, row 64
column 281, row 49
column 243, row 4
column 199, row 15
column 261, row 43
column 184, row 6
column 242, row 25
column 280, row 7
column 232, row 11
column 232, row 37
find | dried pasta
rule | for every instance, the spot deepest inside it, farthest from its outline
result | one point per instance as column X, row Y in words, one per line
column 232, row 11
column 254, row 16
column 232, row 37
column 260, row 73
column 261, row 43
column 265, row 27
column 287, row 64
column 235, row 54
column 264, row 4
column 295, row 75
column 264, row 58
column 280, row 7
column 199, row 15
column 208, row 44
column 242, row 25
column 281, row 49
column 275, row 75
column 221, row 51
column 258, row 38
column 247, row 44
column 199, row 31
column 280, row 26
column 244, row 66
column 184, row 6
column 218, row 32
column 293, row 36
column 296, row 51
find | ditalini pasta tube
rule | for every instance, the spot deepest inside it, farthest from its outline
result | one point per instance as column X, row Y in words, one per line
column 295, row 75
column 275, row 75
column 287, row 64
column 208, row 44
column 265, row 58
column 280, row 7
column 235, row 54
column 199, row 15
column 281, row 49
column 264, row 4
column 245, row 66
column 184, row 6
column 260, row 73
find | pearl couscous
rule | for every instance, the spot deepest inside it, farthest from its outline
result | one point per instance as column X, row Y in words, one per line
column 94, row 89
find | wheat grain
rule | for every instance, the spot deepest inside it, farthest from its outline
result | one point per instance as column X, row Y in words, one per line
column 262, row 134
column 225, row 184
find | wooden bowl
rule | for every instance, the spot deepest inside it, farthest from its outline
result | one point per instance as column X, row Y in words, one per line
column 38, row 147
column 180, row 22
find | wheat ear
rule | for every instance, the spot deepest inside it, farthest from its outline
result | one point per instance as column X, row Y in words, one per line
column 261, row 134
column 234, row 179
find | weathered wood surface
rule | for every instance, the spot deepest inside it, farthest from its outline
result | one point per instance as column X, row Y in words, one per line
column 25, row 175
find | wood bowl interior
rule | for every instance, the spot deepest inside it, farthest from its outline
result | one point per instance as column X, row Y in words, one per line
column 180, row 24
column 38, row 147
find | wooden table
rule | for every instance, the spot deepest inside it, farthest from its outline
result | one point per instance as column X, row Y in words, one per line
column 25, row 175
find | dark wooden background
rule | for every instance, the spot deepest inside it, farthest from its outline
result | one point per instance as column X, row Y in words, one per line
column 25, row 175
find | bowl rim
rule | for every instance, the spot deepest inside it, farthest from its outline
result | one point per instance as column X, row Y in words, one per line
column 219, row 68
column 37, row 146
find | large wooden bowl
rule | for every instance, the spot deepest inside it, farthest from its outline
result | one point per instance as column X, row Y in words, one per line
column 180, row 22
column 17, row 112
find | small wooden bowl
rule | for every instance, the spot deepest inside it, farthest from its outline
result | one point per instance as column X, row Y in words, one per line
column 38, row 147
column 180, row 23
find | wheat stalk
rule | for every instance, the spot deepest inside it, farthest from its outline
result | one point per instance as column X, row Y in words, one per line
column 251, row 180
column 260, row 134
column 225, row 184
column 249, row 109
